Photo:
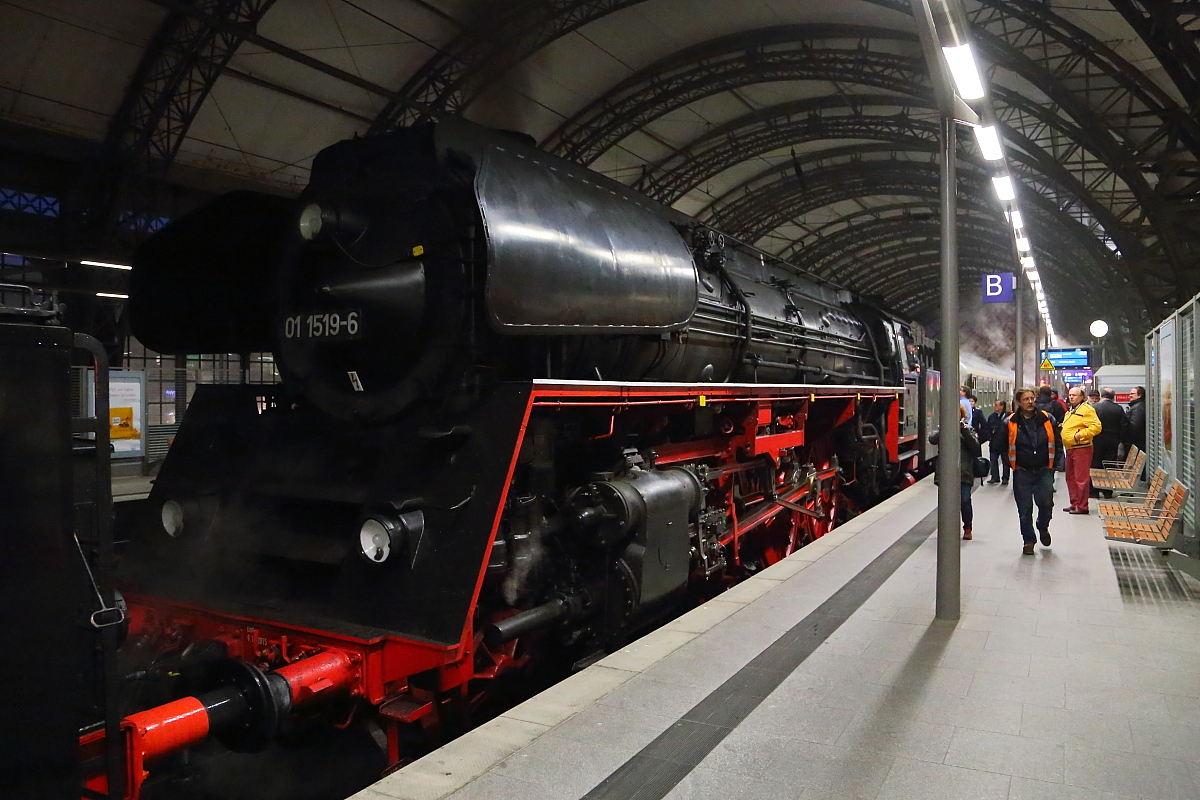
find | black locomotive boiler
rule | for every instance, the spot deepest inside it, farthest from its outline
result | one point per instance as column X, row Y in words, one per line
column 525, row 414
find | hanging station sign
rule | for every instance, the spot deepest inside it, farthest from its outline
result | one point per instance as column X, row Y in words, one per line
column 1066, row 358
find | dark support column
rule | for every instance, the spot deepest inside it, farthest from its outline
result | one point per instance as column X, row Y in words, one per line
column 1019, row 360
column 949, row 591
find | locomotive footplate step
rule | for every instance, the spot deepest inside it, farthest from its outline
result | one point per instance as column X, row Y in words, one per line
column 644, row 717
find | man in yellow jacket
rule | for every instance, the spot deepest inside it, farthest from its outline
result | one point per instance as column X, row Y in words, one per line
column 1080, row 424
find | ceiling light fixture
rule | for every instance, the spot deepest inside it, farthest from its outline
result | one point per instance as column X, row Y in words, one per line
column 989, row 143
column 104, row 264
column 966, row 75
column 1004, row 188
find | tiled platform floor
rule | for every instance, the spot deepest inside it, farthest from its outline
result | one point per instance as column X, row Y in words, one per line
column 1067, row 677
column 1074, row 673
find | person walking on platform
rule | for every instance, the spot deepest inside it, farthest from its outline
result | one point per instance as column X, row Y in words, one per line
column 969, row 450
column 1136, row 435
column 1080, row 426
column 996, row 434
column 1112, row 430
column 1032, row 442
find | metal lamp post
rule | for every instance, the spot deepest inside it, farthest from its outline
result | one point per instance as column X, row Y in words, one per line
column 949, row 590
column 1099, row 329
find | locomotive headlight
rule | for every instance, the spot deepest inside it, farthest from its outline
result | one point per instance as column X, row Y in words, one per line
column 172, row 517
column 375, row 539
column 384, row 535
column 311, row 220
column 331, row 220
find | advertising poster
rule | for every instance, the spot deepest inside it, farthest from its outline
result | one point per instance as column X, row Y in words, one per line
column 1166, row 371
column 126, row 411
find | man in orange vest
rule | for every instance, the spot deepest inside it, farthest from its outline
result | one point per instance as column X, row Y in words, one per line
column 1079, row 426
column 1032, row 441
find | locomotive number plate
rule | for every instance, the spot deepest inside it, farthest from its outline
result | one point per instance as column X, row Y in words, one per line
column 325, row 325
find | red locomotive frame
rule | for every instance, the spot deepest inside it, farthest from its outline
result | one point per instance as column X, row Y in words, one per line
column 316, row 664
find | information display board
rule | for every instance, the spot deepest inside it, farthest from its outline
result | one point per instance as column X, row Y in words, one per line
column 1075, row 376
column 1067, row 357
column 126, row 411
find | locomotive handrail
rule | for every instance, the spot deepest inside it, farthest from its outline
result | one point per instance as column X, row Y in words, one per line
column 105, row 591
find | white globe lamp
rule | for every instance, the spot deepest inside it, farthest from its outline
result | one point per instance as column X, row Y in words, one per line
column 1099, row 329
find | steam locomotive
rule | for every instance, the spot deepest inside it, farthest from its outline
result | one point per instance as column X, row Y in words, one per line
column 525, row 414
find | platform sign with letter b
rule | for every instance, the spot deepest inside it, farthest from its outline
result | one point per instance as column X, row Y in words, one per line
column 998, row 287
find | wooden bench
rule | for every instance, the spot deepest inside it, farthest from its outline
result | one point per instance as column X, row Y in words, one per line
column 1157, row 528
column 1119, row 478
column 1117, row 466
column 1138, row 505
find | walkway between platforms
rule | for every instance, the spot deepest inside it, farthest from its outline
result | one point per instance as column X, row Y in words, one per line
column 1073, row 673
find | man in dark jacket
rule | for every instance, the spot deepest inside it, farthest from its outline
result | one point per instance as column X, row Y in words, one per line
column 1059, row 405
column 1112, row 428
column 969, row 450
column 1136, row 433
column 996, row 433
column 976, row 420
column 1046, row 402
column 1032, row 442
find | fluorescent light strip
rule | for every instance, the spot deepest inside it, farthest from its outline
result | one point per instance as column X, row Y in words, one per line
column 110, row 294
column 989, row 143
column 1004, row 188
column 962, row 67
column 104, row 264
column 1022, row 244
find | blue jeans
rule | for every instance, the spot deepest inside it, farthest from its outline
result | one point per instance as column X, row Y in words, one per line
column 1030, row 486
column 964, row 502
column 998, row 457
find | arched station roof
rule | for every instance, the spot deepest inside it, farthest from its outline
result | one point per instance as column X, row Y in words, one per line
column 807, row 128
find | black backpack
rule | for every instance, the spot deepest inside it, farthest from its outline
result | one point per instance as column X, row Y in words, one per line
column 980, row 466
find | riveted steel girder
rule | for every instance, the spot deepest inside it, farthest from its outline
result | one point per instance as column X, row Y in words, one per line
column 495, row 42
column 780, row 127
column 175, row 75
column 837, row 53
column 1134, row 123
column 777, row 197
column 835, row 255
column 786, row 125
column 1164, row 27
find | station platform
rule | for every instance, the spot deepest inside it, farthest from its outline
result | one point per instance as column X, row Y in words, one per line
column 131, row 487
column 1072, row 673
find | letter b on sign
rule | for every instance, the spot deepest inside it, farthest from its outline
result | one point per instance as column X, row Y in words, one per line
column 998, row 287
